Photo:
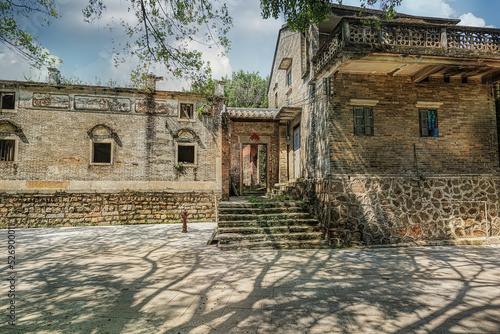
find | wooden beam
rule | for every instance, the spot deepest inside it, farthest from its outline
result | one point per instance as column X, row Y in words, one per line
column 483, row 73
column 440, row 74
column 426, row 71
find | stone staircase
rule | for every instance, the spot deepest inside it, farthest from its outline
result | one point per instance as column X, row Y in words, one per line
column 268, row 224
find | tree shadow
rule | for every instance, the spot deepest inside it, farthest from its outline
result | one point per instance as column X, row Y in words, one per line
column 147, row 279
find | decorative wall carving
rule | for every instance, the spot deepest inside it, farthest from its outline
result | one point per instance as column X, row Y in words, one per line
column 102, row 103
column 47, row 100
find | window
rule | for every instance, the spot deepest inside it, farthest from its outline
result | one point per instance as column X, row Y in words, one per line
column 7, row 149
column 428, row 123
column 289, row 77
column 8, row 101
column 101, row 153
column 363, row 121
column 186, row 111
column 186, row 154
column 276, row 100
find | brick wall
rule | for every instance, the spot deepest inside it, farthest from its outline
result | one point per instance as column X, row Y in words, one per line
column 467, row 141
column 56, row 121
column 241, row 131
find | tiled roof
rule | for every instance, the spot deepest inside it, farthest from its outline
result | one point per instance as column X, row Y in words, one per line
column 260, row 113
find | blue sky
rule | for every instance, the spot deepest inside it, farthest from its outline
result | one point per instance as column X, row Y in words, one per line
column 86, row 49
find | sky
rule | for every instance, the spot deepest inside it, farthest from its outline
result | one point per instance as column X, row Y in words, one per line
column 86, row 49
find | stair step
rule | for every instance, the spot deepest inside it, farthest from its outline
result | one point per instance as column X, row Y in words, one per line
column 269, row 216
column 267, row 230
column 250, row 211
column 289, row 244
column 269, row 204
column 242, row 238
column 267, row 223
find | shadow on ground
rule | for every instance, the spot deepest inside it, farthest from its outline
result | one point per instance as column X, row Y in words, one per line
column 154, row 279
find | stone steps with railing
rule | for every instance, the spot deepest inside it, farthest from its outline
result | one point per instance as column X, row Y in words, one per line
column 267, row 224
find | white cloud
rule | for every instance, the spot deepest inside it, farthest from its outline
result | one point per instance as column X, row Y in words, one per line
column 432, row 8
column 469, row 19
column 14, row 67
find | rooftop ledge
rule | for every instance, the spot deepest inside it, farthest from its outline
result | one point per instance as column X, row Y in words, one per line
column 408, row 38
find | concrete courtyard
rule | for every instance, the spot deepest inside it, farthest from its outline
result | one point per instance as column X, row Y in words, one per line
column 155, row 279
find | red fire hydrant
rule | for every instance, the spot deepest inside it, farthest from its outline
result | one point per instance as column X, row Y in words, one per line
column 184, row 216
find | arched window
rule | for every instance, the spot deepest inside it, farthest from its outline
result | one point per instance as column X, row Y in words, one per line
column 9, row 134
column 102, row 140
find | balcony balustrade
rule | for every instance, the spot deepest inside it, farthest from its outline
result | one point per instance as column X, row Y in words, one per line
column 408, row 38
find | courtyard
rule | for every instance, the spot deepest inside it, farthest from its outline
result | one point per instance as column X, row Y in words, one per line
column 155, row 279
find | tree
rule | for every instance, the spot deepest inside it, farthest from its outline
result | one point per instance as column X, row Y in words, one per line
column 300, row 14
column 15, row 37
column 246, row 90
column 165, row 31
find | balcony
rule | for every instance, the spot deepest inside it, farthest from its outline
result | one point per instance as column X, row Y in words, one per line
column 423, row 40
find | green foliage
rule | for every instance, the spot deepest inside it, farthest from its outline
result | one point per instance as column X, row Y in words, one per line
column 165, row 32
column 245, row 89
column 179, row 166
column 253, row 199
column 14, row 17
column 300, row 14
column 168, row 32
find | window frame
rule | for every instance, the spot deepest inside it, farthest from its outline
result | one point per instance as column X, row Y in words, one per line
column 289, row 77
column 421, row 120
column 106, row 141
column 2, row 94
column 16, row 146
column 191, row 119
column 195, row 154
column 367, row 115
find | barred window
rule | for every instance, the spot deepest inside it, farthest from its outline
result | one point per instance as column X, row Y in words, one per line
column 7, row 149
column 428, row 123
column 363, row 121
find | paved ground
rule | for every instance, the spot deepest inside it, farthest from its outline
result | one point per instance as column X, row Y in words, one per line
column 154, row 279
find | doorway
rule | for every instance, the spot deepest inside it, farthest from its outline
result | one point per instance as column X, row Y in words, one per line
column 296, row 152
column 254, row 169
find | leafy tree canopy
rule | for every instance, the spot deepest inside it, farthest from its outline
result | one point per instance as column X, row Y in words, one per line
column 300, row 14
column 167, row 32
column 245, row 89
column 13, row 34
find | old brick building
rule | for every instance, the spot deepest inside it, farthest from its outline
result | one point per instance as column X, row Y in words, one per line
column 391, row 126
column 85, row 154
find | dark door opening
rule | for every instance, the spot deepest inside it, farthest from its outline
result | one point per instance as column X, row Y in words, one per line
column 254, row 169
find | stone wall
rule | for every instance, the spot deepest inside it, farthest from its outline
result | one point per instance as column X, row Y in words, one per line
column 391, row 209
column 66, row 209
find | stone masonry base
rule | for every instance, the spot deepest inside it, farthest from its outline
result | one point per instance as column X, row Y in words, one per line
column 386, row 210
column 66, row 209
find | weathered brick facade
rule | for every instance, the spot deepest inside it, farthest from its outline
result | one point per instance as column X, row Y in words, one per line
column 366, row 162
column 467, row 141
column 56, row 128
column 268, row 132
column 56, row 148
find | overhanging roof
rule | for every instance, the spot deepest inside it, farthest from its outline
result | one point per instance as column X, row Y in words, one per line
column 288, row 113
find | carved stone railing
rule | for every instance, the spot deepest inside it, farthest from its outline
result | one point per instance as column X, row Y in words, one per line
column 415, row 38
